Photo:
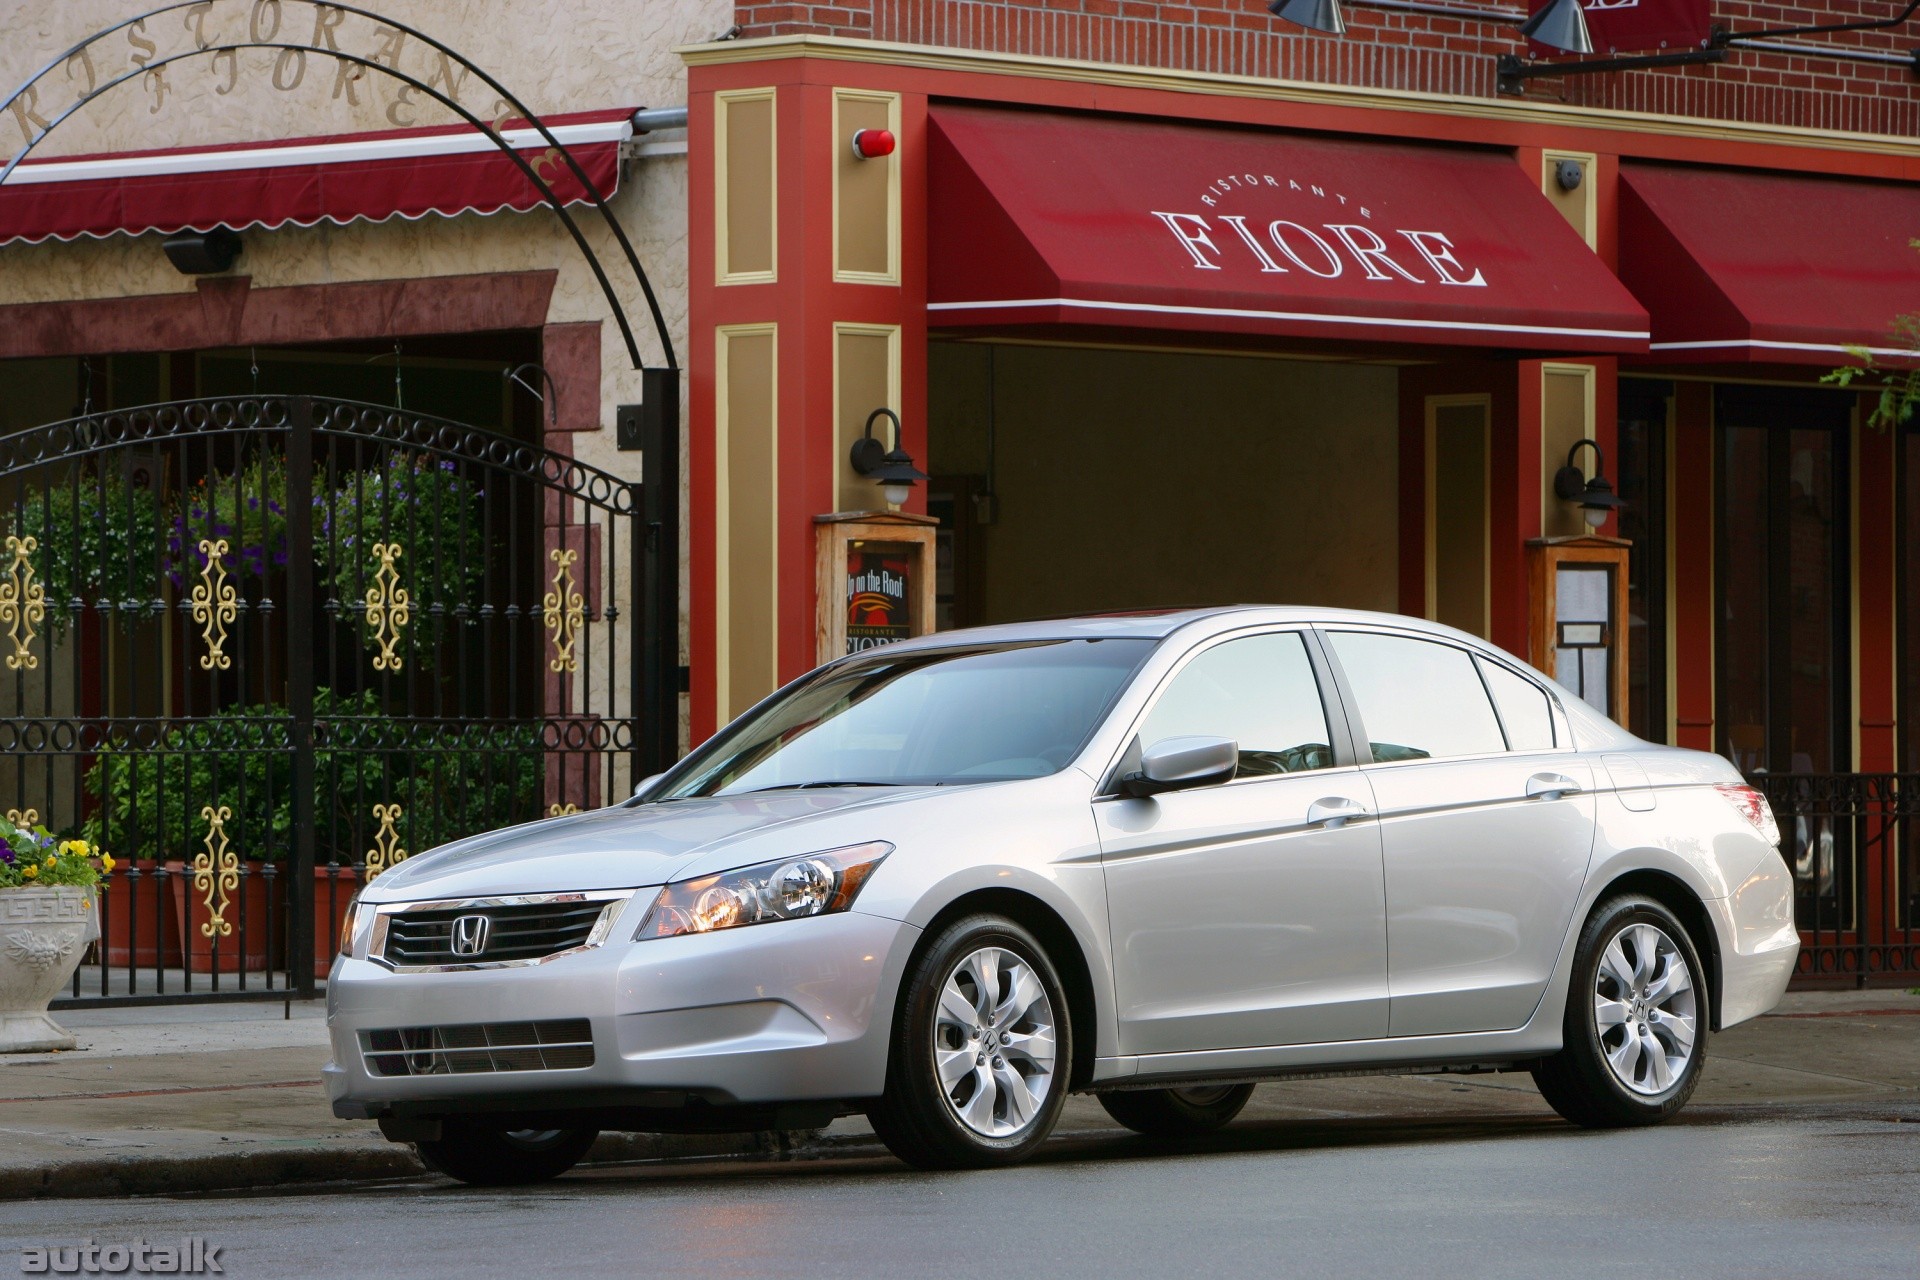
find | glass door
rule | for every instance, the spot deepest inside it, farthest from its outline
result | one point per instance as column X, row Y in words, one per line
column 1782, row 673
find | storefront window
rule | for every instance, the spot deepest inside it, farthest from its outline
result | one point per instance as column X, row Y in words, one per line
column 1642, row 446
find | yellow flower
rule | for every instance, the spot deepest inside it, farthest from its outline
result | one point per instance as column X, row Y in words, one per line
column 30, row 872
column 106, row 862
column 51, row 860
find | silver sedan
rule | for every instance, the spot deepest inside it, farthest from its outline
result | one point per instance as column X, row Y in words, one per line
column 1159, row 858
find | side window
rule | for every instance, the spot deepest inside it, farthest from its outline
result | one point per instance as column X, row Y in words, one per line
column 1259, row 691
column 1524, row 710
column 1419, row 700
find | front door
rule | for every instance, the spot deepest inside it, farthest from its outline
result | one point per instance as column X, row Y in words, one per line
column 1248, row 913
column 1486, row 824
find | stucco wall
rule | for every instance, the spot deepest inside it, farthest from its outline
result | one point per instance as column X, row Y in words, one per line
column 613, row 54
column 1131, row 479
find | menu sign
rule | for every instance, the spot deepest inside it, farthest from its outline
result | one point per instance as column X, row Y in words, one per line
column 876, row 599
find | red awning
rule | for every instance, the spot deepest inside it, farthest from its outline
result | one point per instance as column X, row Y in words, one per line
column 1048, row 219
column 407, row 173
column 1768, row 267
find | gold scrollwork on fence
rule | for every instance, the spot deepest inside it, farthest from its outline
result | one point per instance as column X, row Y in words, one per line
column 215, row 603
column 388, row 607
column 24, row 818
column 216, row 872
column 565, row 610
column 23, row 602
column 566, row 810
column 386, row 842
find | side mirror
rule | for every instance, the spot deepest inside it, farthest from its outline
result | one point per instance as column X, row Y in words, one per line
column 1175, row 764
column 646, row 782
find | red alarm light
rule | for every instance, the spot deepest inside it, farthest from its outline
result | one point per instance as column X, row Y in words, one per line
column 871, row 144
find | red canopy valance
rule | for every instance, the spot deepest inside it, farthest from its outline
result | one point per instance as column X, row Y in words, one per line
column 405, row 173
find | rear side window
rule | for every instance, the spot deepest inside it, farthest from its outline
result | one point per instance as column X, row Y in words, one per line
column 1524, row 709
column 1419, row 700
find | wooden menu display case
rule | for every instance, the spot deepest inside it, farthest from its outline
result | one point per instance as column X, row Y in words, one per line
column 874, row 580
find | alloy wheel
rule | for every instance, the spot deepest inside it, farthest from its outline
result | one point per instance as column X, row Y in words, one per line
column 993, row 1042
column 1644, row 1009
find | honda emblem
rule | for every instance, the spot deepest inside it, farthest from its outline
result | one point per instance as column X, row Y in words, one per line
column 470, row 935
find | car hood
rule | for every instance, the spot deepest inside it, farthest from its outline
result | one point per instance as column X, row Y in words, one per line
column 617, row 848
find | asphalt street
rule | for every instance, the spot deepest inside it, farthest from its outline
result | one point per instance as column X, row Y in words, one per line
column 1801, row 1192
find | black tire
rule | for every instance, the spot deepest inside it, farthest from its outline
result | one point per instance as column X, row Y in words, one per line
column 483, row 1157
column 915, row 1117
column 1578, row 1081
column 1176, row 1113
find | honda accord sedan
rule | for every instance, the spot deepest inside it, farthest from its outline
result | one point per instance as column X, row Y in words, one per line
column 1160, row 858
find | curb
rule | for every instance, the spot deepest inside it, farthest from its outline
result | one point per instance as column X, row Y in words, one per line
column 252, row 1170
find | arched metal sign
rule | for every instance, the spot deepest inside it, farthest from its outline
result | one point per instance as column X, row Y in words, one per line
column 266, row 20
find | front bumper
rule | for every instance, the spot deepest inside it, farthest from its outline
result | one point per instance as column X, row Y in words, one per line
column 787, row 1012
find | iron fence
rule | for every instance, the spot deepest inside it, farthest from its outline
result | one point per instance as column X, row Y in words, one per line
column 262, row 648
column 1853, row 841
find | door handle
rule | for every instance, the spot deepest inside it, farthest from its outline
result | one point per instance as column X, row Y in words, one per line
column 1551, row 786
column 1334, row 812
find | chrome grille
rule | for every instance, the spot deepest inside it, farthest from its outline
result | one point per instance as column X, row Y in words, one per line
column 524, row 932
column 559, row 1045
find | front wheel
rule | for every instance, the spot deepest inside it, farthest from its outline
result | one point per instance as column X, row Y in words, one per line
column 1173, row 1113
column 1635, row 1032
column 484, row 1157
column 981, row 1052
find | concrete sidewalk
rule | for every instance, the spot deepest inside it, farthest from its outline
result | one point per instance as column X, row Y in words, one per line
column 211, row 1097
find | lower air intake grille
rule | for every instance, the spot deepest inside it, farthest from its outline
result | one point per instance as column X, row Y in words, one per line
column 560, row 1045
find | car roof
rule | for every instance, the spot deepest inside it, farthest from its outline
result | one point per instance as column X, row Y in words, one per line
column 1159, row 624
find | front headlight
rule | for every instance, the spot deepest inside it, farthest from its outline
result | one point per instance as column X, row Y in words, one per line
column 815, row 884
column 348, row 924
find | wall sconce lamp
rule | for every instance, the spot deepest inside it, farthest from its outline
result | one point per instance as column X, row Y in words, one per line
column 1595, row 498
column 1561, row 25
column 202, row 253
column 891, row 469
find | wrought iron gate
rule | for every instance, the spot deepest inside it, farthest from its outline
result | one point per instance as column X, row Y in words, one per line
column 260, row 649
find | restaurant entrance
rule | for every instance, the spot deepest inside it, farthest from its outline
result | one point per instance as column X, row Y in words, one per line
column 1110, row 478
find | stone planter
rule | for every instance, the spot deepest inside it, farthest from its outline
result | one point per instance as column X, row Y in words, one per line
column 43, row 933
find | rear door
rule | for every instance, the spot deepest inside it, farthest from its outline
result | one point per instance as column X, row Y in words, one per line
column 1486, row 826
column 1248, row 913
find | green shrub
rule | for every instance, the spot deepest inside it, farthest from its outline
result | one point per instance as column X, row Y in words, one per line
column 462, row 780
column 98, row 540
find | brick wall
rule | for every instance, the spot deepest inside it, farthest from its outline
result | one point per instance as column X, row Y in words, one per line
column 1417, row 52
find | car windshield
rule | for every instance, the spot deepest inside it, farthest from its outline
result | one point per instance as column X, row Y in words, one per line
column 969, row 713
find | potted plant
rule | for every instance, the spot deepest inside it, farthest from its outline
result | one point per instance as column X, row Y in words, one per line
column 47, row 892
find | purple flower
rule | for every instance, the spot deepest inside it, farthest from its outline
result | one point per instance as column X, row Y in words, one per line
column 6, row 852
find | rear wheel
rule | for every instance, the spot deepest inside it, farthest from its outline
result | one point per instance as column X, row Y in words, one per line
column 1635, row 1033
column 1172, row 1113
column 977, row 1070
column 484, row 1157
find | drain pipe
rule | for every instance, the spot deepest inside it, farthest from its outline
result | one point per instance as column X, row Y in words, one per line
column 654, row 119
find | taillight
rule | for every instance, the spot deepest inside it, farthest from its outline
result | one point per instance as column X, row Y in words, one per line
column 1753, row 807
